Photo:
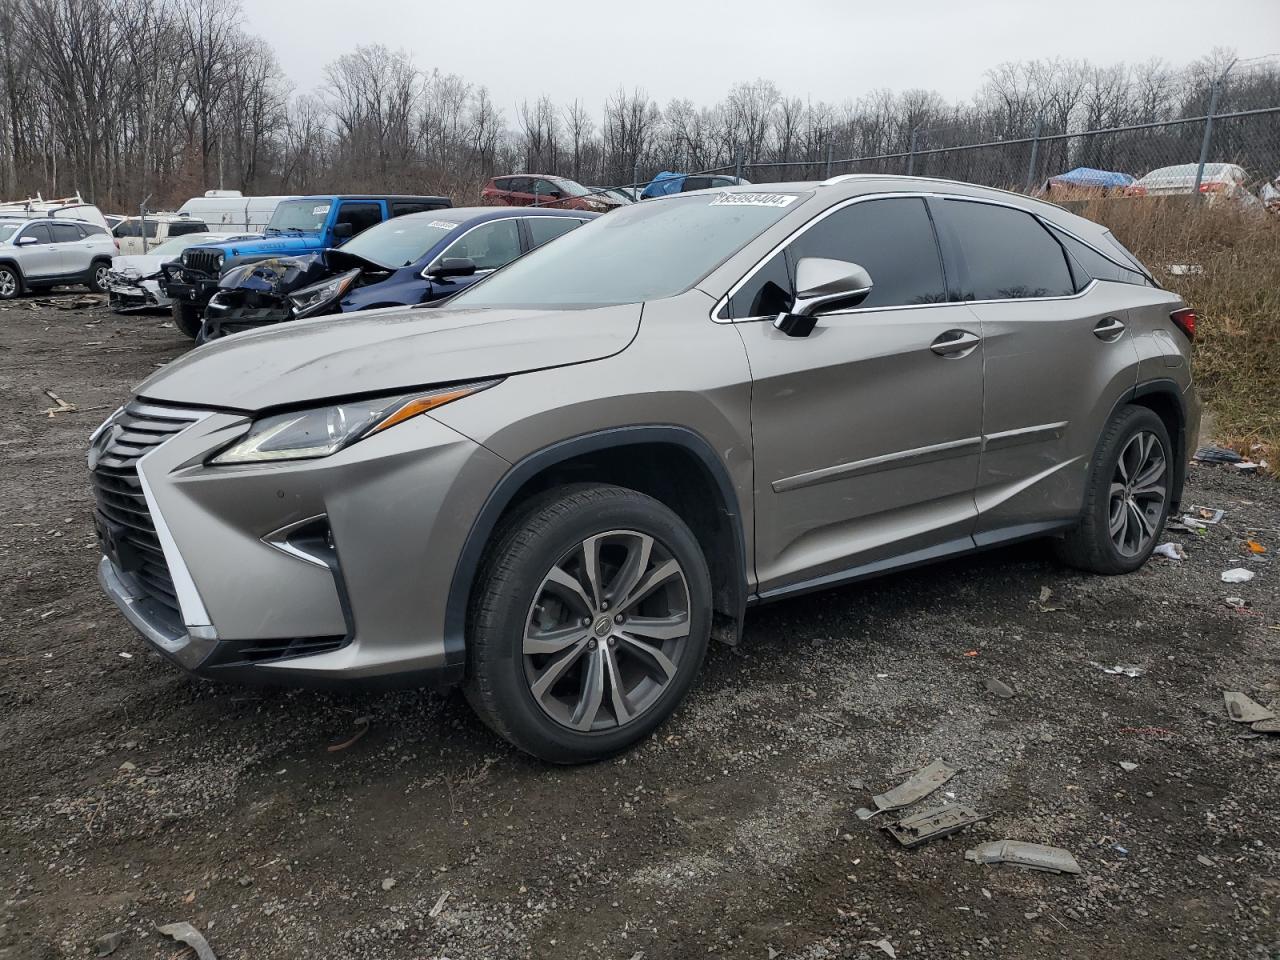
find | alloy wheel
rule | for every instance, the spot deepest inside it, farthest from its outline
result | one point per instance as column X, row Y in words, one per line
column 606, row 632
column 8, row 284
column 1139, row 488
column 100, row 276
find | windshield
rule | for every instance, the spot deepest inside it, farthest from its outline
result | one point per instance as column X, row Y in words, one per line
column 645, row 251
column 176, row 245
column 299, row 216
column 7, row 230
column 399, row 242
column 571, row 188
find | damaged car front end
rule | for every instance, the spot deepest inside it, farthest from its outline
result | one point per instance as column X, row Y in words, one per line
column 263, row 293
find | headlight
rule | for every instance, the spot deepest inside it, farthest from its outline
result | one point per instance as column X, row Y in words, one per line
column 307, row 434
column 310, row 299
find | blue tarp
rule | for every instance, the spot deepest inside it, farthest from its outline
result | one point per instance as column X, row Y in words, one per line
column 1088, row 177
column 664, row 183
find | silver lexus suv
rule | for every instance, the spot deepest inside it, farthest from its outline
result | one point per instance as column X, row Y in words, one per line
column 47, row 252
column 555, row 489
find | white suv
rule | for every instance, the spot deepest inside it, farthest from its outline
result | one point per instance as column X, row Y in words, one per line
column 45, row 252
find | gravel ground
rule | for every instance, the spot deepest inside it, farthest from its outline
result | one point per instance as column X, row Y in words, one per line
column 133, row 797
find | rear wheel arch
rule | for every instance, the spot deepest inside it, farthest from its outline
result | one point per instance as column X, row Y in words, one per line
column 1164, row 398
column 674, row 465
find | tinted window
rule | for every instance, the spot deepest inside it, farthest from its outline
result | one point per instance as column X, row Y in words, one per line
column 180, row 228
column 892, row 239
column 542, row 229
column 490, row 245
column 38, row 231
column 360, row 214
column 400, row 207
column 1003, row 254
column 65, row 233
column 766, row 294
column 1090, row 263
column 641, row 252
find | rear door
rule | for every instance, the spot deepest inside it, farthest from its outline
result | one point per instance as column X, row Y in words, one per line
column 867, row 431
column 1058, row 356
column 75, row 251
column 42, row 259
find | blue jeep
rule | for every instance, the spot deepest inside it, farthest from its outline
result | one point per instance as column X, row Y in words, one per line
column 298, row 226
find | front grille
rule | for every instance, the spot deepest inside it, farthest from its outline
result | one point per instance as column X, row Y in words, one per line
column 208, row 262
column 239, row 654
column 133, row 432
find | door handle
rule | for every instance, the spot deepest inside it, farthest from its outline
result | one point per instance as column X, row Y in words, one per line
column 1108, row 329
column 955, row 343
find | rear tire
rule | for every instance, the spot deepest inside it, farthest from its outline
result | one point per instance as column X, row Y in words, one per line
column 188, row 319
column 1128, row 497
column 98, row 276
column 572, row 666
column 10, row 282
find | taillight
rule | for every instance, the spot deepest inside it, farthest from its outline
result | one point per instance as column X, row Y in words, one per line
column 1136, row 191
column 1210, row 186
column 1185, row 320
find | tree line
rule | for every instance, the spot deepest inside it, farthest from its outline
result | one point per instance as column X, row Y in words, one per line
column 157, row 100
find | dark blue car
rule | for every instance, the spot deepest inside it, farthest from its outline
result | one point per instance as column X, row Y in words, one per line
column 413, row 259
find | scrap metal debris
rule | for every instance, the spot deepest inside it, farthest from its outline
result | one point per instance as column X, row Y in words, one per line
column 72, row 302
column 1270, row 725
column 185, row 933
column 916, row 787
column 1034, row 856
column 1216, row 454
column 932, row 824
column 1127, row 669
column 1237, row 575
column 1241, row 709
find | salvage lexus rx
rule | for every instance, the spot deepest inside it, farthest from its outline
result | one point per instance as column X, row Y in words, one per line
column 555, row 489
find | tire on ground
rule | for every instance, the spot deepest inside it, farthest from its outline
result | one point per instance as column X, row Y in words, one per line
column 10, row 282
column 521, row 554
column 1088, row 546
column 97, row 276
column 188, row 319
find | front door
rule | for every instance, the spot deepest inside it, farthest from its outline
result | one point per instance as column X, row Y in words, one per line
column 40, row 260
column 867, row 432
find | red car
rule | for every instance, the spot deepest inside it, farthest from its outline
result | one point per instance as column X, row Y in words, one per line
column 527, row 189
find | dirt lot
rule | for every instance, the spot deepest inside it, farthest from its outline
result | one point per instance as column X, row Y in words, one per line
column 133, row 797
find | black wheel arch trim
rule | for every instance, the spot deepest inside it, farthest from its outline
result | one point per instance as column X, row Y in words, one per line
column 486, row 521
column 1166, row 387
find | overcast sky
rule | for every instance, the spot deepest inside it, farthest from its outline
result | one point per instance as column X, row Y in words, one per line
column 823, row 49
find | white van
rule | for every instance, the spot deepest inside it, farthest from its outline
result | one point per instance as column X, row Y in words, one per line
column 131, row 232
column 230, row 210
column 68, row 208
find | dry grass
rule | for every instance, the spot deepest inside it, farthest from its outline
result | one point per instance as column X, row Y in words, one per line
column 1236, row 295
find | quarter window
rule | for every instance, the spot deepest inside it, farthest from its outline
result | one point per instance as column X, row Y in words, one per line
column 65, row 233
column 766, row 294
column 1094, row 265
column 1002, row 253
column 542, row 229
column 893, row 240
column 489, row 246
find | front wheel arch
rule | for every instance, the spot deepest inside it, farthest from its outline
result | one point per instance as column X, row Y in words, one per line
column 17, row 274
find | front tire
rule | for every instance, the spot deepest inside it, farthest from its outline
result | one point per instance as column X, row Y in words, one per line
column 10, row 283
column 589, row 623
column 1128, row 497
column 188, row 319
column 98, row 276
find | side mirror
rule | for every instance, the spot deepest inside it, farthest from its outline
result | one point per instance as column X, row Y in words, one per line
column 822, row 285
column 343, row 231
column 450, row 267
column 27, row 241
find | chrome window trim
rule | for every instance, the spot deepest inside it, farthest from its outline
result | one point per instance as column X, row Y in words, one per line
column 925, row 194
column 462, row 236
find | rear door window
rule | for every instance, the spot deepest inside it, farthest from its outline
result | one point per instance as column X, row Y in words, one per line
column 1002, row 253
column 542, row 229
column 65, row 233
column 893, row 240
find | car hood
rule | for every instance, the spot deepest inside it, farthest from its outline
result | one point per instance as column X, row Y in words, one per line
column 384, row 351
column 142, row 264
column 291, row 243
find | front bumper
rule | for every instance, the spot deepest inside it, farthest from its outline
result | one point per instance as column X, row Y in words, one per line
column 123, row 296
column 190, row 290
column 397, row 508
